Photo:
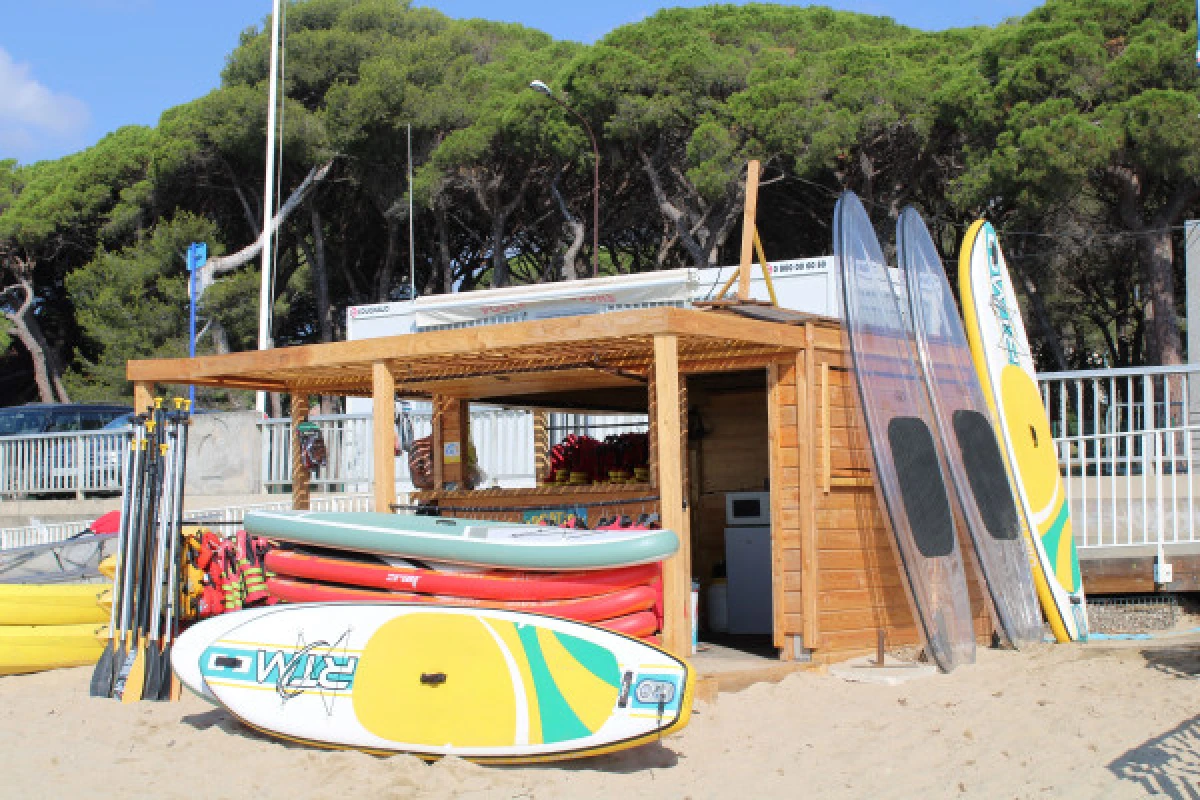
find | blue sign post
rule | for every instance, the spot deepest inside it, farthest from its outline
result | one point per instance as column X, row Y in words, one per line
column 197, row 257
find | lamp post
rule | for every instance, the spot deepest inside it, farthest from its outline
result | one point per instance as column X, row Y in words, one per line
column 540, row 86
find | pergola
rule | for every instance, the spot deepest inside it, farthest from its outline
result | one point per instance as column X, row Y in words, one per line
column 619, row 360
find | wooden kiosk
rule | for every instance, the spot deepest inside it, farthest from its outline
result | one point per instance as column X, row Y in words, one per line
column 771, row 398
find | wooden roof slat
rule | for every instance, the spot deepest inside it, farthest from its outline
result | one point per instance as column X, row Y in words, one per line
column 476, row 359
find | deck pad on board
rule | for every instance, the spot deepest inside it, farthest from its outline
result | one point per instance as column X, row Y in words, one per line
column 907, row 464
column 973, row 458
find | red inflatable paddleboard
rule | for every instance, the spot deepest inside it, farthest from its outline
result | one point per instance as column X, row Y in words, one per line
column 587, row 609
column 507, row 585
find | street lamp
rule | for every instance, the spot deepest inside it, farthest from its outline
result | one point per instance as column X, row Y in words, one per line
column 540, row 86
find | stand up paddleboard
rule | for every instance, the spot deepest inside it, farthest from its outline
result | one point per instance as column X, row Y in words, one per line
column 466, row 541
column 968, row 439
column 908, row 473
column 482, row 684
column 1005, row 365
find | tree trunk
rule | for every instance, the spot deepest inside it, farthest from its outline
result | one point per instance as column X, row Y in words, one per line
column 441, row 278
column 571, row 269
column 47, row 372
column 223, row 264
column 320, row 275
column 383, row 285
column 1158, row 277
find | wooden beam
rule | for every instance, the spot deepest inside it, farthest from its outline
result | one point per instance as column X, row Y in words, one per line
column 677, row 570
column 749, row 216
column 300, row 476
column 143, row 396
column 1135, row 574
column 594, row 333
column 383, row 395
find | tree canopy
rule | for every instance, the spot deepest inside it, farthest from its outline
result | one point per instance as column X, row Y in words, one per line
column 1073, row 129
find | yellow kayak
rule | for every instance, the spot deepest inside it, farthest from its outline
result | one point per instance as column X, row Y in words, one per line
column 33, row 648
column 52, row 604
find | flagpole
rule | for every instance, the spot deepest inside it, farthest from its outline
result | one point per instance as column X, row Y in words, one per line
column 264, row 299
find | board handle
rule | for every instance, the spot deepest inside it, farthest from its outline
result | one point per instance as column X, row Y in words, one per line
column 433, row 678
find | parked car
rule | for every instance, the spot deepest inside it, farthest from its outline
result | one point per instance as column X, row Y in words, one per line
column 34, row 418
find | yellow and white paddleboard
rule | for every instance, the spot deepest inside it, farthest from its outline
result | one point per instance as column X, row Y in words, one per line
column 33, row 648
column 1003, row 359
column 482, row 684
column 52, row 603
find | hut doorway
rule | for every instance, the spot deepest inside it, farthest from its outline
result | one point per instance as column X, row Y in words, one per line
column 728, row 484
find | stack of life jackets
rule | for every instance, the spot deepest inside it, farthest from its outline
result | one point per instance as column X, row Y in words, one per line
column 231, row 572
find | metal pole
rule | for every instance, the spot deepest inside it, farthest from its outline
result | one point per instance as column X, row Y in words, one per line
column 191, row 259
column 412, row 247
column 264, row 299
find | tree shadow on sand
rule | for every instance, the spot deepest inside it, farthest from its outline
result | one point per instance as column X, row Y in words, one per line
column 1182, row 662
column 1167, row 765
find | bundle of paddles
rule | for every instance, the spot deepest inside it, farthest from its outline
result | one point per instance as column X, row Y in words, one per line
column 146, row 600
column 609, row 577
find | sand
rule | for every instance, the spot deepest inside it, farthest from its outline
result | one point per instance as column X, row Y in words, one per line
column 1081, row 721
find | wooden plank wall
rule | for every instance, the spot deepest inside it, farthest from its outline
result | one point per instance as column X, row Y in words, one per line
column 858, row 587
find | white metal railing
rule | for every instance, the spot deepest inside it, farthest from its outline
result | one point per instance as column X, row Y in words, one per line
column 597, row 426
column 502, row 438
column 40, row 533
column 1126, row 442
column 63, row 463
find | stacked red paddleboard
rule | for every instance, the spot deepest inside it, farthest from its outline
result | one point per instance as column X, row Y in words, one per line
column 623, row 599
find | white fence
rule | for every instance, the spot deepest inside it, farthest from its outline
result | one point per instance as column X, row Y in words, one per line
column 502, row 438
column 1126, row 441
column 39, row 533
column 63, row 463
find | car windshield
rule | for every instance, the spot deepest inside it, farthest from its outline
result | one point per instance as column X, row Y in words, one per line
column 18, row 422
column 123, row 421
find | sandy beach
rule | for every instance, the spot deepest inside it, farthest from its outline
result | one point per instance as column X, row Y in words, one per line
column 1101, row 720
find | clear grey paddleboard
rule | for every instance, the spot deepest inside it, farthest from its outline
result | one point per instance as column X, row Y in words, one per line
column 973, row 456
column 908, row 472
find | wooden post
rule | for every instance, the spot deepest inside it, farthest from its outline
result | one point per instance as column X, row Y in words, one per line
column 749, row 215
column 300, row 488
column 677, row 570
column 450, row 422
column 383, row 396
column 143, row 396
column 541, row 446
column 805, row 418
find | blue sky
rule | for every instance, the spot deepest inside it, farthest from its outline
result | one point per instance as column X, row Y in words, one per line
column 74, row 70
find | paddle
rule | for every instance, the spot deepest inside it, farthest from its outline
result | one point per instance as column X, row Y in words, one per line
column 135, row 676
column 121, row 663
column 170, row 687
column 102, row 675
column 153, row 675
column 165, row 684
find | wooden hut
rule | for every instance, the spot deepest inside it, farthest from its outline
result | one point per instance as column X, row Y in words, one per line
column 772, row 402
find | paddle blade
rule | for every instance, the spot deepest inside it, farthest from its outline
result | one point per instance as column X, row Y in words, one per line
column 102, row 675
column 153, row 673
column 165, row 675
column 135, row 679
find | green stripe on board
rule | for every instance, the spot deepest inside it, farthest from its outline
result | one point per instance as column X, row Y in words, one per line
column 559, row 721
column 1051, row 541
column 597, row 660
